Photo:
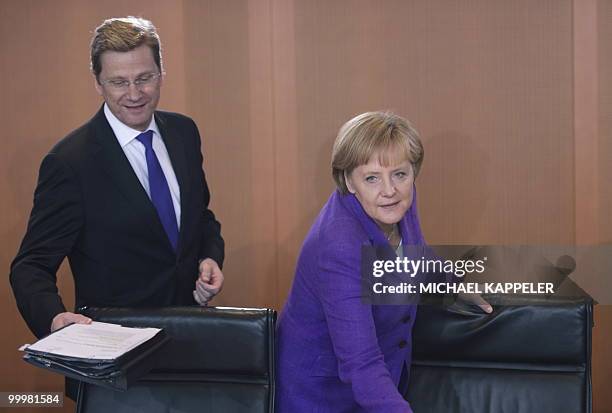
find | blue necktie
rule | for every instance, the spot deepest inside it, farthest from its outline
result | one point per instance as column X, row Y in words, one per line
column 159, row 190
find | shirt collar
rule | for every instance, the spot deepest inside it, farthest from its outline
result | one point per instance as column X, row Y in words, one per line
column 124, row 133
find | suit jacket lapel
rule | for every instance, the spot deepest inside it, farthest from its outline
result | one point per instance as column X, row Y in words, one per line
column 115, row 164
column 375, row 234
column 175, row 145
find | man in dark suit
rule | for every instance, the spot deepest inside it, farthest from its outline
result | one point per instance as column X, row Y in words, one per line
column 123, row 197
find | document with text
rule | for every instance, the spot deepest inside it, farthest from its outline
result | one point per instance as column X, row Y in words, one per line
column 95, row 341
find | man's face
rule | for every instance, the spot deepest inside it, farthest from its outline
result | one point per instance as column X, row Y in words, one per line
column 133, row 105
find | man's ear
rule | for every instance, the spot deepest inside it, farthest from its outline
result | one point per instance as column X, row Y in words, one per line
column 97, row 85
column 349, row 183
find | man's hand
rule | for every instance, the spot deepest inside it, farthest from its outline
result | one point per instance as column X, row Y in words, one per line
column 63, row 319
column 209, row 282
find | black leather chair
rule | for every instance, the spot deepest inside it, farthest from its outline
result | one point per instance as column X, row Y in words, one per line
column 217, row 360
column 530, row 356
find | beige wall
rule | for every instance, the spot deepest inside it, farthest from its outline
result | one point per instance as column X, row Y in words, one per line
column 513, row 100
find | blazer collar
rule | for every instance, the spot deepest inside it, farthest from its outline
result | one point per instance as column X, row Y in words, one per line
column 175, row 146
column 410, row 228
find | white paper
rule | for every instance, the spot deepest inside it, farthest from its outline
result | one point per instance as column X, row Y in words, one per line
column 100, row 341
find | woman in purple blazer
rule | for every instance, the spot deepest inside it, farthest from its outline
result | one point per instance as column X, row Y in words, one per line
column 336, row 353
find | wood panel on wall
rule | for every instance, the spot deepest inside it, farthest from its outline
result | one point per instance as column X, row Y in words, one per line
column 604, row 62
column 602, row 336
column 490, row 86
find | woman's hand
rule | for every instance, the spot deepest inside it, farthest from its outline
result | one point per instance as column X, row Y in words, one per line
column 475, row 299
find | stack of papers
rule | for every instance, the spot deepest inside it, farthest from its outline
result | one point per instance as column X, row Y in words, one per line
column 99, row 341
column 100, row 353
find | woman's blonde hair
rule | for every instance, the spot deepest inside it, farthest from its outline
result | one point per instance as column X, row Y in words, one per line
column 385, row 134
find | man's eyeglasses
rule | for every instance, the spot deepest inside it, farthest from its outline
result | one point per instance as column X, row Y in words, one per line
column 140, row 82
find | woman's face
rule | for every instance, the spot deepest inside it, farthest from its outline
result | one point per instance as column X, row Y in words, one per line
column 385, row 192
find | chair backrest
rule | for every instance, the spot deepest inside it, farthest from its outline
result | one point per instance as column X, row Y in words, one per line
column 218, row 360
column 529, row 356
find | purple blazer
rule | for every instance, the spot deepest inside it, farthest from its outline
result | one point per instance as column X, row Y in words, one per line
column 335, row 353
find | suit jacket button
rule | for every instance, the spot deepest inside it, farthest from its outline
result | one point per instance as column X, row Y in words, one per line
column 406, row 319
column 403, row 344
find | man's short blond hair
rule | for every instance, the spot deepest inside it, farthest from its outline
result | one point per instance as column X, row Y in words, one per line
column 122, row 35
column 384, row 134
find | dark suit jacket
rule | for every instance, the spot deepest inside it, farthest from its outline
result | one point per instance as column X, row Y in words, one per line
column 89, row 206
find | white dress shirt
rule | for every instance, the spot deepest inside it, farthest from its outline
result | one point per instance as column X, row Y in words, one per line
column 135, row 152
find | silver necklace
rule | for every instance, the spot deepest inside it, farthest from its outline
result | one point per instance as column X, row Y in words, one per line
column 391, row 232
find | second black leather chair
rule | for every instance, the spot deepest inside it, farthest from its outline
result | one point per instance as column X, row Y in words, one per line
column 218, row 360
